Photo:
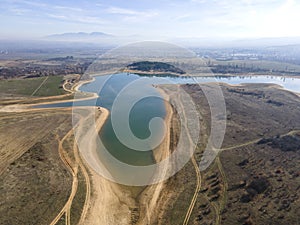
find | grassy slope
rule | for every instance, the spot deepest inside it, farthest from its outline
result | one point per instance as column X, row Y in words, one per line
column 26, row 87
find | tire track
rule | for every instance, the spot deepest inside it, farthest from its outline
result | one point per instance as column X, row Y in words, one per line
column 198, row 175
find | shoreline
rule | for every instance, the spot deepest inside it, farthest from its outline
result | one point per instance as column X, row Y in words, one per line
column 107, row 195
column 76, row 87
column 149, row 206
column 19, row 107
column 152, row 73
column 74, row 90
column 242, row 75
column 167, row 119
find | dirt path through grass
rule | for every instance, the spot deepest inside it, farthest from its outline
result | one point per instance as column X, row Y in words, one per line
column 38, row 88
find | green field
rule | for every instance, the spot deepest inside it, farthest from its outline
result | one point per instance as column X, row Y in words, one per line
column 40, row 86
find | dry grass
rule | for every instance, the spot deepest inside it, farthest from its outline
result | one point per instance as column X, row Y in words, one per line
column 243, row 163
column 34, row 183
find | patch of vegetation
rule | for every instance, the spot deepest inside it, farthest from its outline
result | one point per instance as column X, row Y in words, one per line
column 257, row 186
column 235, row 69
column 26, row 87
column 181, row 206
column 276, row 103
column 67, row 58
column 52, row 87
column 41, row 68
column 160, row 67
column 253, row 66
column 79, row 199
column 285, row 143
column 62, row 221
column 20, row 86
column 259, row 94
column 182, row 187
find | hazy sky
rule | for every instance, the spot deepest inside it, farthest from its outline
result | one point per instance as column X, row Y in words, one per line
column 151, row 18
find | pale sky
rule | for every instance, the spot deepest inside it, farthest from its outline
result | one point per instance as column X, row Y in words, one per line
column 151, row 18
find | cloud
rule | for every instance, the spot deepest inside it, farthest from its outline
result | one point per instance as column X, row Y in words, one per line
column 67, row 8
column 42, row 11
column 130, row 12
column 78, row 18
column 19, row 11
column 116, row 10
column 56, row 16
column 199, row 1
column 31, row 3
column 172, row 17
column 183, row 17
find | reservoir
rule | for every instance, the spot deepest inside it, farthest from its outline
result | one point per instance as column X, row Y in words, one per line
column 118, row 81
column 149, row 105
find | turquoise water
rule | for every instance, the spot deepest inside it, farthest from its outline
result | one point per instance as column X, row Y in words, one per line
column 109, row 88
column 120, row 80
column 140, row 114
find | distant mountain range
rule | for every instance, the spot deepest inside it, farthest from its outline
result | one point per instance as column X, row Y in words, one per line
column 80, row 36
column 93, row 37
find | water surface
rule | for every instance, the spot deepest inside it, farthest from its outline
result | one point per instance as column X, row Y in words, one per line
column 109, row 88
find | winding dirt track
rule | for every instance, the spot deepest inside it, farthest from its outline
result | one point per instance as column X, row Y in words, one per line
column 73, row 171
column 241, row 145
column 219, row 209
column 197, row 189
column 88, row 186
column 198, row 175
column 74, row 168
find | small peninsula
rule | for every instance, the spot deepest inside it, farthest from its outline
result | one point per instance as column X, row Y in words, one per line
column 153, row 68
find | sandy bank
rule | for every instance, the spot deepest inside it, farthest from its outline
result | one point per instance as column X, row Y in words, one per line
column 110, row 204
column 151, row 197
